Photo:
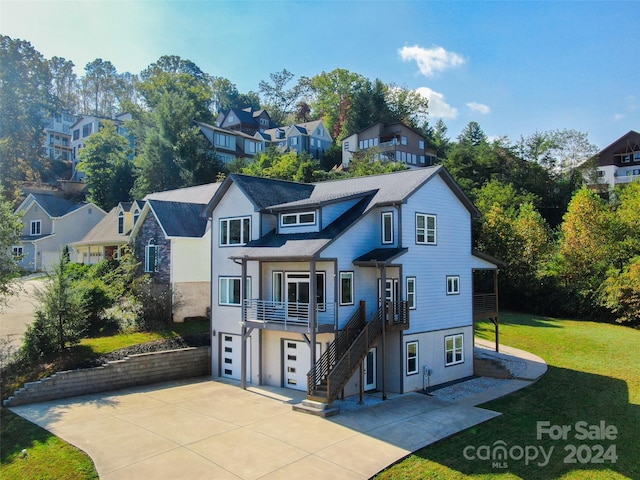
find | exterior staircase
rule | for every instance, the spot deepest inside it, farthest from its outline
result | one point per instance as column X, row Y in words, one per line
column 351, row 345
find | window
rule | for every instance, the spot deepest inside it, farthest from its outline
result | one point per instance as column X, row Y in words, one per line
column 222, row 140
column 136, row 215
column 346, row 146
column 425, row 229
column 302, row 218
column 278, row 286
column 403, row 140
column 421, row 144
column 36, row 227
column 412, row 358
column 17, row 251
column 76, row 134
column 387, row 227
column 87, row 130
column 151, row 256
column 235, row 231
column 453, row 285
column 121, row 222
column 411, row 292
column 294, row 140
column 346, row 288
column 229, row 292
column 453, row 349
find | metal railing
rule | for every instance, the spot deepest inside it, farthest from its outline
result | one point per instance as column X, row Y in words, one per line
column 287, row 313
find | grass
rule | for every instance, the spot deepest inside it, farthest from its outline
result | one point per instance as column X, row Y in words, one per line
column 592, row 377
column 48, row 456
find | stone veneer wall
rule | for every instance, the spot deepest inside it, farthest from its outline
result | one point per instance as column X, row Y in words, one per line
column 151, row 229
column 141, row 369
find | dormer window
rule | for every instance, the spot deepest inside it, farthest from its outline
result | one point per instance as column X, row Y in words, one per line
column 293, row 219
column 121, row 223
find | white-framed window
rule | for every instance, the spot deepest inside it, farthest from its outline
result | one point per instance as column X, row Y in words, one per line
column 235, row 231
column 36, row 227
column 412, row 357
column 346, row 288
column 426, row 229
column 387, row 227
column 151, row 256
column 294, row 140
column 136, row 215
column 301, row 218
column 453, row 349
column 346, row 146
column 17, row 251
column 421, row 144
column 222, row 140
column 412, row 293
column 121, row 222
column 403, row 140
column 453, row 285
column 230, row 290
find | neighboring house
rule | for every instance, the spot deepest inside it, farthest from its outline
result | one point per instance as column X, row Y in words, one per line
column 312, row 137
column 172, row 241
column 57, row 140
column 619, row 163
column 392, row 142
column 108, row 239
column 297, row 264
column 245, row 120
column 86, row 126
column 50, row 223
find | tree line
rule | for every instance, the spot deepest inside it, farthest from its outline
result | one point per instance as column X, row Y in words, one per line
column 567, row 250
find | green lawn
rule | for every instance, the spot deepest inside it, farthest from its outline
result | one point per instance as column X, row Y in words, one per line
column 593, row 377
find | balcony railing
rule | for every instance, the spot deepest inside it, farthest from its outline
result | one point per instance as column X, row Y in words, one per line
column 281, row 315
column 485, row 305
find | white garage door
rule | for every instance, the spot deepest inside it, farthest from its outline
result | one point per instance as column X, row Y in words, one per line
column 297, row 363
column 230, row 356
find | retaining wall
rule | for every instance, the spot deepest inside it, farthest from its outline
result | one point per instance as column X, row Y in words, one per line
column 141, row 369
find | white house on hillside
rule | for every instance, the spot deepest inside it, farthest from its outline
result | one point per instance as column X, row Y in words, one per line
column 376, row 273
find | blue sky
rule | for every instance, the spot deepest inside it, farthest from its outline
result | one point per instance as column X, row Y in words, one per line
column 514, row 67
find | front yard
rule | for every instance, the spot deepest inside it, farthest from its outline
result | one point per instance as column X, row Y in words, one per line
column 592, row 389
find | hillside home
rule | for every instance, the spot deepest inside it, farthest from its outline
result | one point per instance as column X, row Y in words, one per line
column 172, row 241
column 312, row 137
column 50, row 223
column 87, row 125
column 108, row 239
column 619, row 163
column 375, row 273
column 57, row 136
column 245, row 120
column 391, row 142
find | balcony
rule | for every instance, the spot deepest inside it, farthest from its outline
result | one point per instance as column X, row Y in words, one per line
column 619, row 178
column 485, row 305
column 289, row 316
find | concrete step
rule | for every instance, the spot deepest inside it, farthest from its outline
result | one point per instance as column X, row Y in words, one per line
column 487, row 367
column 317, row 408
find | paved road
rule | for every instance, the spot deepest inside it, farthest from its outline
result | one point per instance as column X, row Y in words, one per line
column 18, row 314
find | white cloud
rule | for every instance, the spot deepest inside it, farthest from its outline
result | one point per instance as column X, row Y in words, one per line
column 438, row 107
column 479, row 107
column 431, row 60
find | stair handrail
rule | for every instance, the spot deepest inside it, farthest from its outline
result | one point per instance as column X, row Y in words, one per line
column 341, row 343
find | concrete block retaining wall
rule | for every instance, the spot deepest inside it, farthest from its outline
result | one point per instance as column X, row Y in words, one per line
column 141, row 369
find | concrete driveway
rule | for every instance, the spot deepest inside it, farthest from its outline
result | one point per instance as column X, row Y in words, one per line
column 19, row 311
column 212, row 429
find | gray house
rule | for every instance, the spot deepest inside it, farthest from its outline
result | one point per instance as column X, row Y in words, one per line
column 50, row 223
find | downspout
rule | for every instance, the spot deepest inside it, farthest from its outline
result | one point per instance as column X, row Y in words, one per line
column 383, row 298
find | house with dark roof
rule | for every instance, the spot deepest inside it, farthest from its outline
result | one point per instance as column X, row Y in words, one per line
column 50, row 223
column 339, row 287
column 619, row 162
column 311, row 137
column 245, row 120
column 171, row 238
column 394, row 142
column 108, row 239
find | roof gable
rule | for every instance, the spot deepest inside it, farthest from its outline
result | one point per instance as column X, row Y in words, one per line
column 179, row 219
column 53, row 205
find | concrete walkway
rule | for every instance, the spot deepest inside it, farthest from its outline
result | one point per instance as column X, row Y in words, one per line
column 213, row 429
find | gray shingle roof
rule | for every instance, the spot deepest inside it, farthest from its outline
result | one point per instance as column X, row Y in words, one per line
column 56, row 206
column 180, row 219
column 200, row 194
column 265, row 192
